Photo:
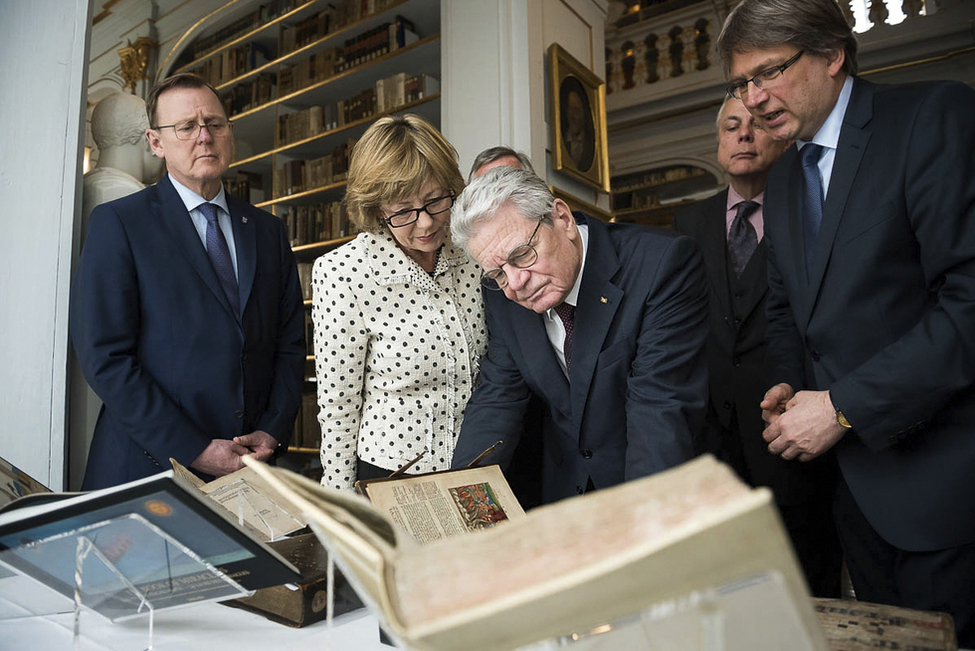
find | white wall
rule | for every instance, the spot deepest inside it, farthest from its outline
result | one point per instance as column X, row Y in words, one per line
column 484, row 64
column 43, row 46
column 495, row 75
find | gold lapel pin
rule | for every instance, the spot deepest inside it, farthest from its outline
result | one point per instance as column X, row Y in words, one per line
column 603, row 299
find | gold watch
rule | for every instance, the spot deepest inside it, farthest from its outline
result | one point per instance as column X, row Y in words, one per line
column 841, row 419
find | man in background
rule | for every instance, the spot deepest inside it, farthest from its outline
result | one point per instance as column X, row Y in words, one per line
column 871, row 307
column 186, row 313
column 729, row 227
column 603, row 323
column 499, row 156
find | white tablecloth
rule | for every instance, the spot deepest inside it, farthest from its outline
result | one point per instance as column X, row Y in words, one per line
column 202, row 627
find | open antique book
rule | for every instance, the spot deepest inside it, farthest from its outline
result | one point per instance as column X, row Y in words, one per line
column 439, row 505
column 684, row 557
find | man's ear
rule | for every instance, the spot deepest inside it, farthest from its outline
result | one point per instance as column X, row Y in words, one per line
column 562, row 217
column 835, row 61
column 155, row 144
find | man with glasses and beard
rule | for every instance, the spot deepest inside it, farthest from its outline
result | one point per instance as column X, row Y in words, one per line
column 871, row 309
column 186, row 312
column 604, row 323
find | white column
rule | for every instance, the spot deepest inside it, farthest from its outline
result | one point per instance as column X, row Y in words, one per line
column 485, row 69
column 495, row 77
column 43, row 46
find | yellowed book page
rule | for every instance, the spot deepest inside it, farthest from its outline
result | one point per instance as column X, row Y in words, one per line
column 596, row 558
column 443, row 505
column 185, row 474
column 251, row 500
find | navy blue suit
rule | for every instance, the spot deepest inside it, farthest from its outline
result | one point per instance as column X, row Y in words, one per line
column 161, row 346
column 638, row 382
column 886, row 322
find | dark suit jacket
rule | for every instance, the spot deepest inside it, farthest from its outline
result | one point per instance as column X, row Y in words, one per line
column 638, row 370
column 160, row 344
column 737, row 375
column 886, row 319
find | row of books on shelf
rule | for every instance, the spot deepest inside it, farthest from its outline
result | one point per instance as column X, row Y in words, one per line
column 373, row 43
column 234, row 62
column 304, row 279
column 377, row 41
column 387, row 95
column 301, row 175
column 251, row 94
column 331, row 19
column 246, row 186
column 265, row 13
column 307, row 433
column 321, row 222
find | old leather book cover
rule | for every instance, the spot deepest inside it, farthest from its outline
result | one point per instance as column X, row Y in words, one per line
column 307, row 604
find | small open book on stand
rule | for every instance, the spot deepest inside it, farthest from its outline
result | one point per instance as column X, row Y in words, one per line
column 690, row 558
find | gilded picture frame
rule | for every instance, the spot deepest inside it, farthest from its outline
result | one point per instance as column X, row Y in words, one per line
column 577, row 120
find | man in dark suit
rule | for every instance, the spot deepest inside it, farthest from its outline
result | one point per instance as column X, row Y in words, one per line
column 604, row 323
column 729, row 227
column 869, row 222
column 186, row 312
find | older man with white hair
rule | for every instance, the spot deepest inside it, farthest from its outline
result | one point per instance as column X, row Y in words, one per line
column 604, row 323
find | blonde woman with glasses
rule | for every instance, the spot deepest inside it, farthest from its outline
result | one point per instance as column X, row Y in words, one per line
column 398, row 316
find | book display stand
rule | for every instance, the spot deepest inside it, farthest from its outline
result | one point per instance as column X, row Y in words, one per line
column 753, row 613
column 257, row 509
column 118, row 568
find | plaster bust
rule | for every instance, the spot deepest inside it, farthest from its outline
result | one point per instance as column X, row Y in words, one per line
column 125, row 162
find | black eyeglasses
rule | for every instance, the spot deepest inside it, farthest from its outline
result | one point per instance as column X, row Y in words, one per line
column 762, row 79
column 190, row 130
column 521, row 257
column 410, row 215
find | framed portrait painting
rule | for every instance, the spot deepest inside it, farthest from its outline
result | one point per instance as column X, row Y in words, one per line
column 577, row 120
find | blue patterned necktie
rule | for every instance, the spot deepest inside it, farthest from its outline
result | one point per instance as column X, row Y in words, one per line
column 219, row 254
column 812, row 199
column 742, row 238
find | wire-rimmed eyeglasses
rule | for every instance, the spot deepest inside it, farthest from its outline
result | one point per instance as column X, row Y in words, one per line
column 762, row 79
column 521, row 257
column 191, row 130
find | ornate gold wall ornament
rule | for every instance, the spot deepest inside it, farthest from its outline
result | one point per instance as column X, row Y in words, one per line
column 135, row 61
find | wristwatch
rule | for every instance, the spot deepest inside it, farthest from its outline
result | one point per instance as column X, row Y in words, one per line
column 840, row 418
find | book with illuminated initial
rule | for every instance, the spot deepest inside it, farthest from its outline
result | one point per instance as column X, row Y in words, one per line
column 440, row 505
column 691, row 557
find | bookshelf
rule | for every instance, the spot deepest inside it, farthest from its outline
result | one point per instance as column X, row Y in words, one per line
column 653, row 196
column 302, row 80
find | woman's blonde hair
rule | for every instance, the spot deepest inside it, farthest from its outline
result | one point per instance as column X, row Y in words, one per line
column 395, row 158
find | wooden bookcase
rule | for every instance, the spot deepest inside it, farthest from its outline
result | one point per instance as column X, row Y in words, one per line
column 652, row 197
column 274, row 41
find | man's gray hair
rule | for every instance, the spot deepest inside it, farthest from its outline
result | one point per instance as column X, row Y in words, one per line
column 492, row 154
column 485, row 195
column 814, row 26
column 119, row 119
column 717, row 118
